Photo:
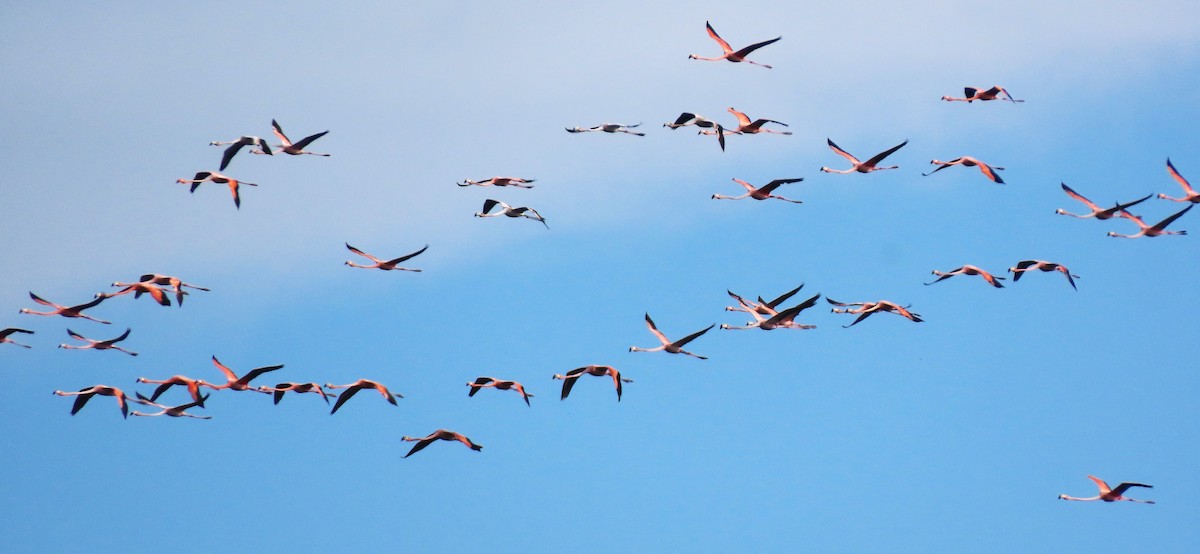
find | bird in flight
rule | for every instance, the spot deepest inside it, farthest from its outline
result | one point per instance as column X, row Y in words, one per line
column 593, row 370
column 501, row 384
column 233, row 382
column 174, row 282
column 968, row 270
column 1110, row 495
column 65, row 311
column 193, row 387
column 171, row 411
column 746, row 127
column 103, row 390
column 1028, row 265
column 499, row 182
column 865, row 309
column 234, row 184
column 236, row 145
column 672, row 347
column 761, row 193
column 987, row 170
column 381, row 264
column 1190, row 195
column 110, row 344
column 728, row 53
column 862, row 167
column 297, row 388
column 687, row 118
column 764, row 308
column 353, row 388
column 287, row 147
column 440, row 434
column 972, row 94
column 780, row 320
column 138, row 289
column 1097, row 211
column 509, row 211
column 4, row 334
column 608, row 128
column 1155, row 230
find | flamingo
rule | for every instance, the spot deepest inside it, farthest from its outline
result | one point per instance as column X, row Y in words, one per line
column 440, row 434
column 193, row 387
column 103, row 390
column 764, row 308
column 518, row 182
column 1110, row 495
column 781, row 320
column 968, row 270
column 608, row 128
column 6, row 332
column 987, row 170
column 1155, row 230
column 594, row 370
column 1190, row 195
column 287, row 147
column 215, row 177
column 747, row 128
column 353, row 388
column 1097, row 212
column 1027, row 265
column 171, row 281
column 381, row 264
column 762, row 193
column 862, row 167
column 298, row 388
column 171, row 411
column 109, row 344
column 159, row 295
column 865, row 310
column 729, row 54
column 973, row 94
column 500, row 384
column 237, row 144
column 72, row 311
column 232, row 381
column 686, row 118
column 509, row 211
column 672, row 347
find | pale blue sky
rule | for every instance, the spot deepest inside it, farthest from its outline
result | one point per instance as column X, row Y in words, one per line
column 954, row 435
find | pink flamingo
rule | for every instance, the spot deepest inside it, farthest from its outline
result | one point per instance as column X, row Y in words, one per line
column 381, row 264
column 608, row 128
column 171, row 411
column 287, row 147
column 1189, row 194
column 1155, row 230
column 782, row 320
column 672, row 347
column 109, row 344
column 440, row 434
column 764, row 308
column 215, row 177
column 865, row 310
column 1110, row 495
column 987, row 170
column 968, row 270
column 237, row 144
column 973, row 94
column 72, row 311
column 594, row 370
column 729, row 54
column 193, row 387
column 746, row 127
column 686, row 118
column 510, row 211
column 499, row 182
column 159, row 295
column 501, row 384
column 1041, row 265
column 1097, row 211
column 353, row 388
column 862, row 167
column 763, row 192
column 298, row 388
column 173, row 282
column 103, row 390
column 9, row 331
column 232, row 381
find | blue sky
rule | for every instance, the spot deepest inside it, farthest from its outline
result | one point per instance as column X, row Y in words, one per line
column 955, row 434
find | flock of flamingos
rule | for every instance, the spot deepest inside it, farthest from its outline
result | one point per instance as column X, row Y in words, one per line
column 766, row 315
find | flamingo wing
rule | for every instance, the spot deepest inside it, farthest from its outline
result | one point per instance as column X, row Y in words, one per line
column 308, row 140
column 692, row 336
column 654, row 329
column 880, row 156
column 1187, row 187
column 569, row 381
column 476, row 386
column 747, row 50
column 232, row 151
column 1071, row 192
column 841, row 152
column 1101, row 485
column 489, row 204
column 743, row 120
column 275, row 128
column 421, row 444
column 990, row 172
column 1120, row 490
column 254, row 373
column 229, row 374
column 363, row 254
column 713, row 33
column 42, row 301
column 342, row 398
column 1164, row 223
column 405, row 257
column 783, row 297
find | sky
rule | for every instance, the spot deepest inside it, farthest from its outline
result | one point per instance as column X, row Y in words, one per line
column 955, row 434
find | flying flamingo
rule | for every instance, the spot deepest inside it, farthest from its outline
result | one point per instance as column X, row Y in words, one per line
column 1028, row 265
column 729, row 54
column 862, row 167
column 215, row 177
column 172, row 411
column 298, row 388
column 501, row 384
column 159, row 295
column 440, row 434
column 103, row 390
column 1110, row 495
column 1190, row 195
column 381, row 264
column 232, row 381
column 745, row 127
column 686, row 118
column 865, row 310
column 968, row 270
column 764, row 308
column 672, row 347
column 509, row 211
column 287, row 147
column 353, row 388
column 782, row 320
column 237, row 144
column 987, row 170
column 168, row 280
column 763, row 192
column 1097, row 211
column 193, row 387
column 72, row 311
column 594, row 370
column 6, row 332
column 1152, row 230
column 973, row 94
column 608, row 128
column 109, row 344
column 499, row 182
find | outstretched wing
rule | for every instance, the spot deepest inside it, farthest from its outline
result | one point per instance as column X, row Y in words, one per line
column 363, row 254
column 308, row 140
column 837, row 149
column 712, row 33
column 275, row 128
column 476, row 386
column 414, row 254
column 342, row 398
column 783, row 297
column 1120, row 490
column 692, row 336
column 880, row 156
column 1183, row 182
column 1163, row 224
column 421, row 444
column 654, row 329
column 747, row 50
column 489, row 204
column 770, row 187
column 1071, row 192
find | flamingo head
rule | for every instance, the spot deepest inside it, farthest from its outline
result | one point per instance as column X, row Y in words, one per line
column 62, row 346
column 478, row 214
column 181, row 180
column 947, row 98
column 1062, row 497
column 1160, row 195
column 1060, row 211
column 691, row 56
column 724, row 325
column 24, row 311
column 1111, row 234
